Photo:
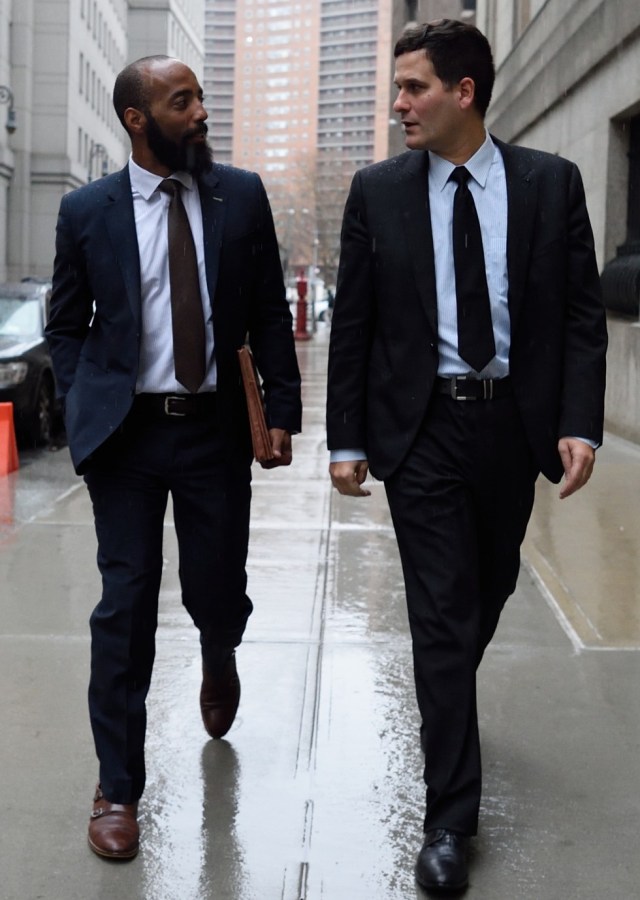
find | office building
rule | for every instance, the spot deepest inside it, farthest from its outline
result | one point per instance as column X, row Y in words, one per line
column 219, row 79
column 58, row 63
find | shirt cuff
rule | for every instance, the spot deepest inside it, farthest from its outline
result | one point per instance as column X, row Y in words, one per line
column 347, row 455
column 593, row 444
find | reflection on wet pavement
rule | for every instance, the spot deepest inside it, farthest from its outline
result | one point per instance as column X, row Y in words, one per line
column 316, row 792
column 585, row 550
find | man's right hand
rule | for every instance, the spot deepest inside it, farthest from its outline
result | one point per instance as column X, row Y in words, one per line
column 347, row 477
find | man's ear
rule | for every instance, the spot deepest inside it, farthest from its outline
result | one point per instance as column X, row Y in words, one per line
column 135, row 120
column 466, row 92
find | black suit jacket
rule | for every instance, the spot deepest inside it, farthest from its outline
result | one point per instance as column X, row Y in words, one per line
column 384, row 334
column 95, row 320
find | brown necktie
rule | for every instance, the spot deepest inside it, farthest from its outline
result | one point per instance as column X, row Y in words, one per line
column 476, row 344
column 186, row 302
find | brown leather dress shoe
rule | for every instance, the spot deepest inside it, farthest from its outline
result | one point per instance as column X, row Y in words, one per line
column 219, row 698
column 113, row 828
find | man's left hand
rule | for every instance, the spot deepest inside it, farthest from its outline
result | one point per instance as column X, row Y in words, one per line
column 282, row 450
column 578, row 459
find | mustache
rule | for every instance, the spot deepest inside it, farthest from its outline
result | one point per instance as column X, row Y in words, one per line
column 193, row 132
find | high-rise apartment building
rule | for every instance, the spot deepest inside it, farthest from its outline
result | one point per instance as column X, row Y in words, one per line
column 220, row 75
column 353, row 82
column 299, row 90
column 353, row 107
column 275, row 110
column 310, row 104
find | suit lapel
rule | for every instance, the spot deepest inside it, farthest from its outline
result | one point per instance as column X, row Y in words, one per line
column 413, row 197
column 522, row 198
column 121, row 227
column 214, row 201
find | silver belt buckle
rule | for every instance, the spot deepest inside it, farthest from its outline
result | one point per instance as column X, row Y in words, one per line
column 454, row 387
column 168, row 400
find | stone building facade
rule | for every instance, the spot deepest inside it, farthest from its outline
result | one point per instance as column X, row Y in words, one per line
column 568, row 81
column 58, row 62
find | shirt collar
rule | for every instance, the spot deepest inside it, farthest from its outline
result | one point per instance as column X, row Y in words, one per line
column 478, row 165
column 145, row 182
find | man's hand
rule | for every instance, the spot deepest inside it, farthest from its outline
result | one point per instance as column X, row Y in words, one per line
column 578, row 459
column 282, row 450
column 347, row 477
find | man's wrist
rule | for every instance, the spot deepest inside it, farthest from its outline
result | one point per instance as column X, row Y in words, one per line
column 593, row 444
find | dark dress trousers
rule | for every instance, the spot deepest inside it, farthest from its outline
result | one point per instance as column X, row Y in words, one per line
column 460, row 475
column 132, row 456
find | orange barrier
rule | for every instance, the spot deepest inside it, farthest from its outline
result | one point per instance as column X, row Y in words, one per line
column 7, row 503
column 9, row 461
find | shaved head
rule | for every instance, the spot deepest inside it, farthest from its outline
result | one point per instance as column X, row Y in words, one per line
column 131, row 88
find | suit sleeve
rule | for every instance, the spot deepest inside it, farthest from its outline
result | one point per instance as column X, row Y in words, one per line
column 71, row 307
column 582, row 402
column 351, row 329
column 271, row 331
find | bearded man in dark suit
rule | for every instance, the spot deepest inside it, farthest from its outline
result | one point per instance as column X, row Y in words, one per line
column 457, row 383
column 154, row 405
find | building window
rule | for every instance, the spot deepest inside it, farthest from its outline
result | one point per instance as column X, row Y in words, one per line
column 633, row 192
column 620, row 278
column 411, row 10
column 521, row 17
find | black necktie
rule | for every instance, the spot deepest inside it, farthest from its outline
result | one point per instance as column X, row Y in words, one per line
column 187, row 318
column 476, row 345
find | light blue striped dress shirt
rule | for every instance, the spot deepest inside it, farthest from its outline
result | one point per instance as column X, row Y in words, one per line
column 488, row 187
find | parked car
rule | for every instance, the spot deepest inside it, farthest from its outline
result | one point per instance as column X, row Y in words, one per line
column 26, row 373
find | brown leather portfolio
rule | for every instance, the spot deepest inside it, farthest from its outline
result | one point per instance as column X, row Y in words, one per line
column 255, row 406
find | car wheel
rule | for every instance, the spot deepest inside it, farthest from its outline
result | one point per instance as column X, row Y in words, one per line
column 41, row 426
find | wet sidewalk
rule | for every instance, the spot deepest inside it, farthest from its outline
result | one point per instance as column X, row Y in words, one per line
column 316, row 793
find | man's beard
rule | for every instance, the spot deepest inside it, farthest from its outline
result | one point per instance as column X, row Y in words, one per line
column 183, row 156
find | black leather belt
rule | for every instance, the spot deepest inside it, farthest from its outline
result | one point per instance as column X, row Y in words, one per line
column 461, row 387
column 175, row 405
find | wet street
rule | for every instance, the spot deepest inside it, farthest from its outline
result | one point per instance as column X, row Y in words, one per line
column 316, row 793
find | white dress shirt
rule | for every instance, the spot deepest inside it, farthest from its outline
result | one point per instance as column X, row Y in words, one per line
column 150, row 206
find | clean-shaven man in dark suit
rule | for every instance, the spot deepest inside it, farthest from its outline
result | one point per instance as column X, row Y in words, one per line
column 141, row 427
column 459, row 445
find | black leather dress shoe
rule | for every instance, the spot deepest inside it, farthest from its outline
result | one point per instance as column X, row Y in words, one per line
column 219, row 698
column 442, row 861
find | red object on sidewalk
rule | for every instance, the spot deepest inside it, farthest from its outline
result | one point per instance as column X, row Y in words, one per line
column 301, row 333
column 9, row 460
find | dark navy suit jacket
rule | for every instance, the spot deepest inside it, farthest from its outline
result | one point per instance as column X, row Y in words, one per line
column 95, row 320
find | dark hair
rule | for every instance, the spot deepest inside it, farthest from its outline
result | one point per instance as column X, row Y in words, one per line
column 457, row 50
column 131, row 87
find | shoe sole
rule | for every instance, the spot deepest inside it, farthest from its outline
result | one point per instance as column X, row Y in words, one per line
column 107, row 854
column 434, row 887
